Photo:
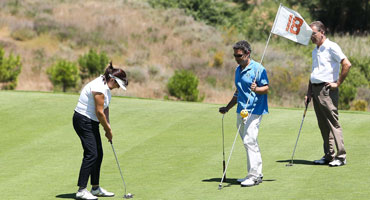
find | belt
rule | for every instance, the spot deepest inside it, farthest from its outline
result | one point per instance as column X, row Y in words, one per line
column 318, row 84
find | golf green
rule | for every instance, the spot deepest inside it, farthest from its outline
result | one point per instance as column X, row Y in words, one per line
column 173, row 150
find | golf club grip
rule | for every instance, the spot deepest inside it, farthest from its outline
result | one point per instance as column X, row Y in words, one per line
column 305, row 110
column 224, row 169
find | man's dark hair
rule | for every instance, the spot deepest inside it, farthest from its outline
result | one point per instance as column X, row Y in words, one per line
column 319, row 25
column 244, row 46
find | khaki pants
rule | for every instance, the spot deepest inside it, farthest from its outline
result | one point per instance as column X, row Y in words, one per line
column 325, row 102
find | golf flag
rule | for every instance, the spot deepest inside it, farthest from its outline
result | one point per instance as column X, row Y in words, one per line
column 291, row 25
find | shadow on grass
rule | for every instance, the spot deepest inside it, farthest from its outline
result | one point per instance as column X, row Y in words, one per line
column 297, row 162
column 229, row 181
column 66, row 196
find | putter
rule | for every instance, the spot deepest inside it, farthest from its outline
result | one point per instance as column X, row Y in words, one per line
column 295, row 146
column 228, row 160
column 127, row 195
column 223, row 147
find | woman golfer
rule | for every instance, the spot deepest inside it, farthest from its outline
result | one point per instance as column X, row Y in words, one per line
column 251, row 96
column 92, row 109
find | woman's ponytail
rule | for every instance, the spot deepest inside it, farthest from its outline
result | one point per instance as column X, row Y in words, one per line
column 108, row 70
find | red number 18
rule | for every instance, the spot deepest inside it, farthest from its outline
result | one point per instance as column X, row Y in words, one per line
column 293, row 26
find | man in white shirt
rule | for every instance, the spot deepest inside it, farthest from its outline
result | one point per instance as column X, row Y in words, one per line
column 325, row 80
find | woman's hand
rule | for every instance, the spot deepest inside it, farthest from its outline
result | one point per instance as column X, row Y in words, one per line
column 109, row 135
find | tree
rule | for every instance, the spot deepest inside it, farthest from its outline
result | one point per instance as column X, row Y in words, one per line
column 339, row 16
column 63, row 73
column 10, row 68
column 92, row 63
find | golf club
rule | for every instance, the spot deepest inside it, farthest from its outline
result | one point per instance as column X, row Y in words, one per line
column 127, row 195
column 223, row 147
column 228, row 160
column 295, row 146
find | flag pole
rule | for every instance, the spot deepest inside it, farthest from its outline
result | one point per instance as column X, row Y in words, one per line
column 268, row 40
column 264, row 51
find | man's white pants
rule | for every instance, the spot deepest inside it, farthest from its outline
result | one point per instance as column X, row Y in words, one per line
column 248, row 132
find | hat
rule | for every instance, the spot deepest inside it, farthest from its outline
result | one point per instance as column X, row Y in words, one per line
column 120, row 82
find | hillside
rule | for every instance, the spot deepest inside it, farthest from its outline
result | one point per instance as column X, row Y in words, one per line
column 149, row 43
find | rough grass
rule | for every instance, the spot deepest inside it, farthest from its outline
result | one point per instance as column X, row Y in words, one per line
column 172, row 150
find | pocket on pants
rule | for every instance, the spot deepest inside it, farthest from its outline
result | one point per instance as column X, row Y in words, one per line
column 326, row 90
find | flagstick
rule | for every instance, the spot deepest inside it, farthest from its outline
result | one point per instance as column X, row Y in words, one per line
column 268, row 40
column 264, row 51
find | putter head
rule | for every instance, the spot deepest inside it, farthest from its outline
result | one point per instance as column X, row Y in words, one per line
column 128, row 196
column 289, row 165
column 220, row 186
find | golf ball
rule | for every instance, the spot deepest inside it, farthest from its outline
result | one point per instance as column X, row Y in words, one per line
column 244, row 113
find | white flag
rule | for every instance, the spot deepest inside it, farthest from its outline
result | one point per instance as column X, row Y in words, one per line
column 291, row 25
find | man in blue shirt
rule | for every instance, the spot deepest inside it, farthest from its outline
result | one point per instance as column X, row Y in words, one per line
column 251, row 96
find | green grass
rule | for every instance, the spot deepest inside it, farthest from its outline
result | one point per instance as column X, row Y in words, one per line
column 172, row 150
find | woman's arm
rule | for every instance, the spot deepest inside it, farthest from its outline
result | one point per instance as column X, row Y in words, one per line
column 100, row 114
column 106, row 112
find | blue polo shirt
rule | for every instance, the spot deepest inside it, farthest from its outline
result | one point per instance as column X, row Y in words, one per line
column 243, row 81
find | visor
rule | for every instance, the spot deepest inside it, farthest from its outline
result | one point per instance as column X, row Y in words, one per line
column 119, row 81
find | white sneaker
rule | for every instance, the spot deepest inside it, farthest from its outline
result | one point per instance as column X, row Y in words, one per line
column 101, row 192
column 242, row 179
column 85, row 194
column 251, row 181
column 337, row 163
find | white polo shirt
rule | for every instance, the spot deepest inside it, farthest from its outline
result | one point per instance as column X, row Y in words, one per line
column 86, row 102
column 326, row 62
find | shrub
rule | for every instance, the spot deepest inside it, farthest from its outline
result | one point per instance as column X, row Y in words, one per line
column 184, row 85
column 360, row 105
column 211, row 81
column 137, row 74
column 23, row 34
column 92, row 63
column 355, row 78
column 63, row 73
column 218, row 59
column 10, row 68
column 154, row 70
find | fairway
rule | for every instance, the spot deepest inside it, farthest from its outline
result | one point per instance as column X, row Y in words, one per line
column 173, row 150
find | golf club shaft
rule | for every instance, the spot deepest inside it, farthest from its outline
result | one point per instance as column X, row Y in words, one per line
column 223, row 147
column 124, row 184
column 231, row 151
column 295, row 146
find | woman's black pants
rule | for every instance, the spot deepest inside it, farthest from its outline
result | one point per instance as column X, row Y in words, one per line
column 88, row 131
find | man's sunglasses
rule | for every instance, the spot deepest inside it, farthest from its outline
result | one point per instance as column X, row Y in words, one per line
column 238, row 55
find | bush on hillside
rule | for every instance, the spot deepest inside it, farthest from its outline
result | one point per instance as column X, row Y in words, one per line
column 92, row 63
column 63, row 73
column 184, row 86
column 218, row 59
column 360, row 105
column 23, row 34
column 357, row 77
column 211, row 11
column 10, row 68
column 137, row 74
